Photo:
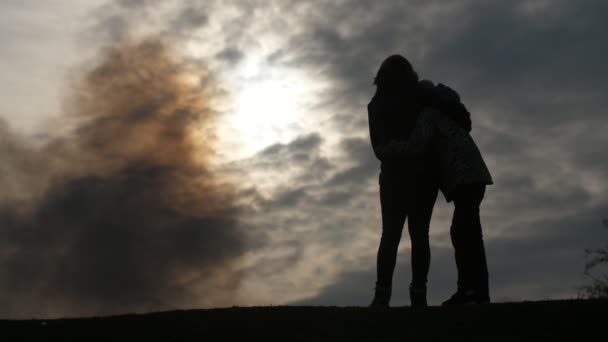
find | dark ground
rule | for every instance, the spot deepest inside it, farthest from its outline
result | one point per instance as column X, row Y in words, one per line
column 569, row 320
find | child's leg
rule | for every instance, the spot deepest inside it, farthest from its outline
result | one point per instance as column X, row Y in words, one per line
column 467, row 238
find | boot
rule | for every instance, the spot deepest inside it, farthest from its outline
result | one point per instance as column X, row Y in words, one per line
column 466, row 297
column 418, row 297
column 382, row 297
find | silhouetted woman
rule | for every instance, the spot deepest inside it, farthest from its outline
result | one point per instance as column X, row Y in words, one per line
column 408, row 188
column 442, row 131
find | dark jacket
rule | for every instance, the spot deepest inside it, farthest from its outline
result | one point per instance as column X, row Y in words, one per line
column 457, row 157
column 392, row 117
column 446, row 100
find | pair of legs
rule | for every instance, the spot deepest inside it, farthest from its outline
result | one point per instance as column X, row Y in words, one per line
column 467, row 240
column 399, row 200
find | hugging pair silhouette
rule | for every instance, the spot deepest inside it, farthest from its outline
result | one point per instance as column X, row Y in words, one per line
column 420, row 134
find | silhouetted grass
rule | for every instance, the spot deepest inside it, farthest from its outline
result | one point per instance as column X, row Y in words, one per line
column 573, row 320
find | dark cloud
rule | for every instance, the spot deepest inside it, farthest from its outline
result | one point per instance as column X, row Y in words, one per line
column 135, row 4
column 313, row 178
column 298, row 149
column 114, row 27
column 114, row 20
column 230, row 55
column 131, row 217
column 301, row 158
column 500, row 40
column 364, row 165
column 190, row 18
column 538, row 70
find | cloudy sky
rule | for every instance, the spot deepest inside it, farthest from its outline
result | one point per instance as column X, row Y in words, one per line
column 264, row 188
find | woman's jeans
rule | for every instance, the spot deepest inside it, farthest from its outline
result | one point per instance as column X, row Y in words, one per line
column 467, row 239
column 414, row 200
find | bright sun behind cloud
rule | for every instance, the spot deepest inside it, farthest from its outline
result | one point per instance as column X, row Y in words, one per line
column 268, row 105
column 266, row 112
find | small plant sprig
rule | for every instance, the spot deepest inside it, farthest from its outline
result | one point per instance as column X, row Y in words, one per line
column 599, row 283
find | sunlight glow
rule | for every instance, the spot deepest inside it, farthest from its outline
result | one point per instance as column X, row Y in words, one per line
column 265, row 111
column 266, row 107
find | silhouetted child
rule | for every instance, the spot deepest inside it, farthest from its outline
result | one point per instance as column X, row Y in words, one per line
column 442, row 131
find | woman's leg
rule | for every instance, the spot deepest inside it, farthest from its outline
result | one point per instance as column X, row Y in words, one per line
column 393, row 206
column 420, row 209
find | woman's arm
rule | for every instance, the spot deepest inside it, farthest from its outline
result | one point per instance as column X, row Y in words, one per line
column 377, row 135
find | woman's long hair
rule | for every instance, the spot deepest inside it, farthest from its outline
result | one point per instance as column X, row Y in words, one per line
column 395, row 73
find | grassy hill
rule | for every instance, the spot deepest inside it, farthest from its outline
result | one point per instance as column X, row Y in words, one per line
column 572, row 320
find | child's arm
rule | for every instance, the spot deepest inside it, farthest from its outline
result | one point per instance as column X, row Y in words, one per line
column 416, row 145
